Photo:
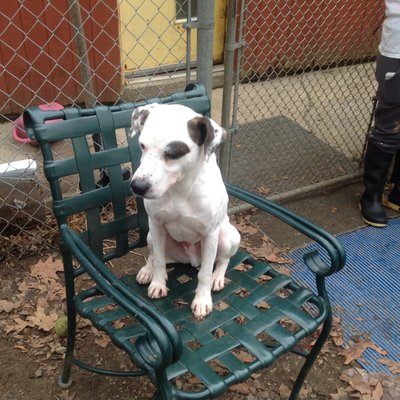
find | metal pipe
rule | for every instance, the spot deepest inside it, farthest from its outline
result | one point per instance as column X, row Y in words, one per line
column 188, row 27
column 243, row 9
column 229, row 56
column 82, row 52
column 205, row 43
column 291, row 194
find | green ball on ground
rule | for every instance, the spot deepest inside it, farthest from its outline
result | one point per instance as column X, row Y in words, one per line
column 61, row 326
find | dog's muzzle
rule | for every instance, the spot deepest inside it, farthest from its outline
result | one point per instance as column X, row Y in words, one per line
column 140, row 186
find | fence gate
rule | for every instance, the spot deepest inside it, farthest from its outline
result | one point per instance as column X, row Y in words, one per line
column 304, row 81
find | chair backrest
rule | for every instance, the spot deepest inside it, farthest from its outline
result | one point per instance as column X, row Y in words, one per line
column 99, row 210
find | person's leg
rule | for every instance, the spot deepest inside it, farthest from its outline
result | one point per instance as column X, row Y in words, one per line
column 376, row 164
column 383, row 142
column 393, row 200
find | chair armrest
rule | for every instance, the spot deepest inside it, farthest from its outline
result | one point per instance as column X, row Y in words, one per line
column 160, row 328
column 312, row 259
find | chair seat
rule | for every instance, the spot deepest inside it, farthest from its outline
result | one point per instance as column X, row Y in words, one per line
column 258, row 316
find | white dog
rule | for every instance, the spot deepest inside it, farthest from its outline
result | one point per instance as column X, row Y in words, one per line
column 185, row 199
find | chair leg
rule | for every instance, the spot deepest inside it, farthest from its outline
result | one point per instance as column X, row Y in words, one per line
column 65, row 380
column 311, row 357
column 164, row 388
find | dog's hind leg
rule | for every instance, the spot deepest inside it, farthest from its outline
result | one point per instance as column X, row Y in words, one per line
column 228, row 244
column 202, row 303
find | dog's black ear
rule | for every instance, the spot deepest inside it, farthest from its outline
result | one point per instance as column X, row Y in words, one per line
column 205, row 132
column 139, row 117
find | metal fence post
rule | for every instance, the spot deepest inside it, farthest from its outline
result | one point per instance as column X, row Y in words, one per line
column 82, row 52
column 230, row 47
column 205, row 43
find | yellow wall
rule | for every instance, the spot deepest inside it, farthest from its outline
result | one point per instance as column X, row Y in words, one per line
column 151, row 37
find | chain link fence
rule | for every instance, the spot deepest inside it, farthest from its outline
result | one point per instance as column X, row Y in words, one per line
column 57, row 53
column 303, row 96
column 304, row 79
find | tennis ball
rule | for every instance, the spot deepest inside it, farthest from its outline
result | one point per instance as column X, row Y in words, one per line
column 60, row 326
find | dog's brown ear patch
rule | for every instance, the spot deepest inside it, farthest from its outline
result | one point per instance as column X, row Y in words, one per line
column 139, row 117
column 201, row 130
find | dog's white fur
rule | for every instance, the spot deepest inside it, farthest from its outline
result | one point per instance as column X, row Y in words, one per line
column 185, row 199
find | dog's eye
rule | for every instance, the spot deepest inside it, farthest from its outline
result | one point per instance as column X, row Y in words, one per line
column 176, row 150
column 142, row 146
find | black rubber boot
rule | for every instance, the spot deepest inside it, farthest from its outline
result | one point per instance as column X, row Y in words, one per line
column 393, row 200
column 376, row 164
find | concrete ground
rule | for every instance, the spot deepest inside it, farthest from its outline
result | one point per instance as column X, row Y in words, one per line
column 335, row 209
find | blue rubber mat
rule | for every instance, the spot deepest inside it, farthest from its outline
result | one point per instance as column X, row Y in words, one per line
column 366, row 293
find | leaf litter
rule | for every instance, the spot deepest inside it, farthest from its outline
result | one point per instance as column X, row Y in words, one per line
column 28, row 317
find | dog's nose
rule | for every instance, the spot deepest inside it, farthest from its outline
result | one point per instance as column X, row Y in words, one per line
column 140, row 186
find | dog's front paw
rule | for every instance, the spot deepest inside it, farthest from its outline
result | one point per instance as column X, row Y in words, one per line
column 145, row 275
column 218, row 282
column 202, row 306
column 157, row 290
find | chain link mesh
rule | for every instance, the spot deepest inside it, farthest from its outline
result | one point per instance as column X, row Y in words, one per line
column 304, row 98
column 132, row 49
column 301, row 106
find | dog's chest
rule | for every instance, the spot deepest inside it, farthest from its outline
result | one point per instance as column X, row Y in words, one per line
column 186, row 230
column 183, row 221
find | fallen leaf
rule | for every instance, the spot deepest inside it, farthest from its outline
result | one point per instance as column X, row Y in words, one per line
column 244, row 357
column 378, row 392
column 242, row 292
column 17, row 326
column 219, row 332
column 363, row 383
column 118, row 324
column 65, row 396
column 22, row 348
column 263, row 305
column 284, row 391
column 180, row 303
column 392, row 366
column 7, row 306
column 242, row 267
column 103, row 341
column 241, row 319
column 341, row 394
column 42, row 320
column 221, row 306
column 262, row 279
column 47, row 269
column 241, row 388
column 356, row 351
column 264, row 190
column 184, row 279
column 337, row 332
column 268, row 251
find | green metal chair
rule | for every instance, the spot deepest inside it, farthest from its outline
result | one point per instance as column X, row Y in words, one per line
column 160, row 336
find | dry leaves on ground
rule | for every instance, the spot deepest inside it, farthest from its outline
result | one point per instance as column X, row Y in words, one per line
column 356, row 350
column 366, row 386
column 263, row 248
column 29, row 315
column 392, row 366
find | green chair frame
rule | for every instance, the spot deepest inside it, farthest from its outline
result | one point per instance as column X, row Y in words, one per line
column 160, row 337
